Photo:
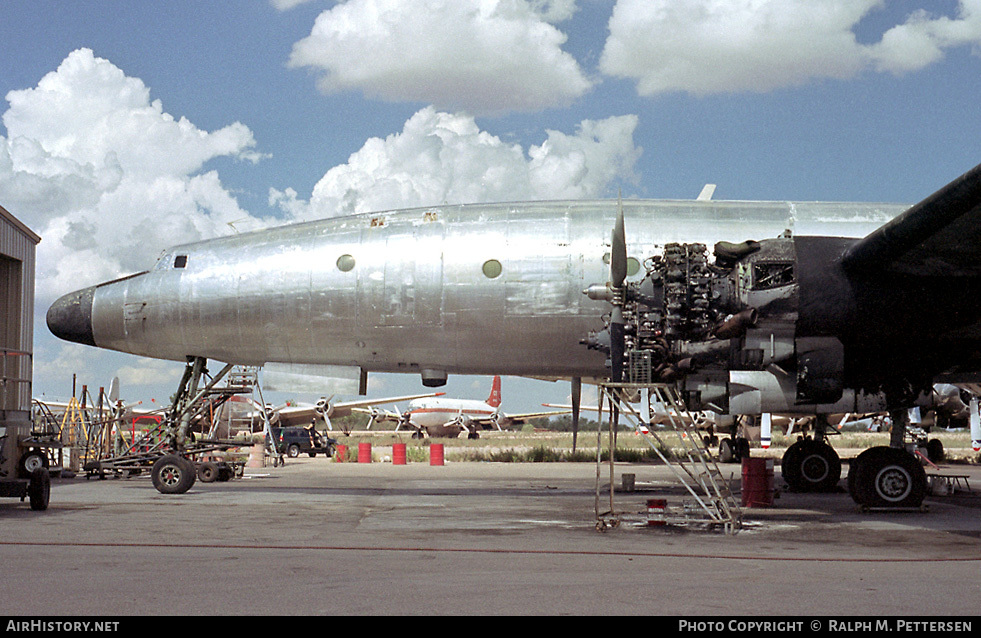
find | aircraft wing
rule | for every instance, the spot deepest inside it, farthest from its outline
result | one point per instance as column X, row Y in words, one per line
column 296, row 415
column 701, row 419
column 302, row 415
column 345, row 408
column 516, row 418
column 60, row 407
column 939, row 236
column 380, row 416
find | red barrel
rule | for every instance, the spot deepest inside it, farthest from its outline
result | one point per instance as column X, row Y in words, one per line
column 436, row 454
column 398, row 454
column 340, row 454
column 655, row 511
column 364, row 452
column 757, row 487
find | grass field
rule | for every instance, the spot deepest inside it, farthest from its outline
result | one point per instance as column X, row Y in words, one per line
column 514, row 446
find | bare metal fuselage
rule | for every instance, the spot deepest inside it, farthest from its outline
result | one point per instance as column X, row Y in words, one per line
column 472, row 289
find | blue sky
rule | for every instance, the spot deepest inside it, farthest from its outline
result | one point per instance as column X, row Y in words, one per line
column 131, row 126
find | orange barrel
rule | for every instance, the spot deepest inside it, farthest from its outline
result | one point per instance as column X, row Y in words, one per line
column 655, row 511
column 436, row 454
column 257, row 456
column 340, row 454
column 398, row 454
column 757, row 487
column 364, row 452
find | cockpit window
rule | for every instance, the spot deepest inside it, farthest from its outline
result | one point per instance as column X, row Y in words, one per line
column 180, row 261
column 768, row 275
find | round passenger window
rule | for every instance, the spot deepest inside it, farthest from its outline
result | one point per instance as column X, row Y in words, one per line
column 633, row 266
column 492, row 268
column 345, row 263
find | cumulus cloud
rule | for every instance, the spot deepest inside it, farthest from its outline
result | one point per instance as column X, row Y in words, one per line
column 106, row 177
column 484, row 56
column 923, row 38
column 718, row 46
column 444, row 158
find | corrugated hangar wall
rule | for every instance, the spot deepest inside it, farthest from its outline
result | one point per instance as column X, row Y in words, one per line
column 18, row 246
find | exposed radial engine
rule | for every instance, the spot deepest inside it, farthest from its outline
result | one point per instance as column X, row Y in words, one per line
column 720, row 324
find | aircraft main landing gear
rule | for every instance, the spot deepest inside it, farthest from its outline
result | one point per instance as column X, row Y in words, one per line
column 811, row 466
column 887, row 477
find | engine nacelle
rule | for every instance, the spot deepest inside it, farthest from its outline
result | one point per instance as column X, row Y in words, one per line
column 759, row 391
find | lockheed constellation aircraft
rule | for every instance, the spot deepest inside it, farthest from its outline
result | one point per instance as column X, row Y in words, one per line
column 797, row 320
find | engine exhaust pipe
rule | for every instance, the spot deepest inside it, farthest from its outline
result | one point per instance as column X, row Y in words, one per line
column 737, row 324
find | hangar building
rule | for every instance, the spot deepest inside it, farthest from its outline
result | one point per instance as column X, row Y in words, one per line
column 17, row 258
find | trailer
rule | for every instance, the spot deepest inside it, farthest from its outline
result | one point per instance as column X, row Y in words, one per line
column 204, row 456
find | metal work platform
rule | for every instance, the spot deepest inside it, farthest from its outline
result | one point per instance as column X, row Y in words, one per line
column 193, row 409
column 711, row 500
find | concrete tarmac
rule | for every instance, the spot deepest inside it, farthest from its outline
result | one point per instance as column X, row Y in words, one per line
column 316, row 537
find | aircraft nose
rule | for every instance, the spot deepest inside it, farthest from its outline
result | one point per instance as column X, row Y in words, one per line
column 70, row 317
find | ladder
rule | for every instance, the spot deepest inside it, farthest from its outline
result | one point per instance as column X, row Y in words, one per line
column 712, row 499
column 245, row 379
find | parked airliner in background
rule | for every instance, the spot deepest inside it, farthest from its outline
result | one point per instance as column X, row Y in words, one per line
column 321, row 412
column 440, row 416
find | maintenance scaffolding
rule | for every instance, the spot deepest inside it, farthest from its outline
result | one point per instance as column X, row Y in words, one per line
column 680, row 448
column 174, row 436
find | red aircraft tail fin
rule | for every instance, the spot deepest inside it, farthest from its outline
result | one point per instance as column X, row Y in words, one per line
column 494, row 400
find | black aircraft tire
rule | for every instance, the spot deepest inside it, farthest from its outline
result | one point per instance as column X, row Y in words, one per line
column 935, row 450
column 742, row 448
column 39, row 489
column 192, row 470
column 172, row 474
column 790, row 464
column 889, row 477
column 225, row 472
column 208, row 472
column 811, row 466
column 857, row 467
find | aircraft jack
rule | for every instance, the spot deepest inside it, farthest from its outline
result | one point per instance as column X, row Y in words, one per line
column 713, row 503
column 169, row 449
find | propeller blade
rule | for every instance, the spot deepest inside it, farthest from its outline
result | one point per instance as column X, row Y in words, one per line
column 617, row 344
column 618, row 250
column 618, row 273
column 576, row 399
